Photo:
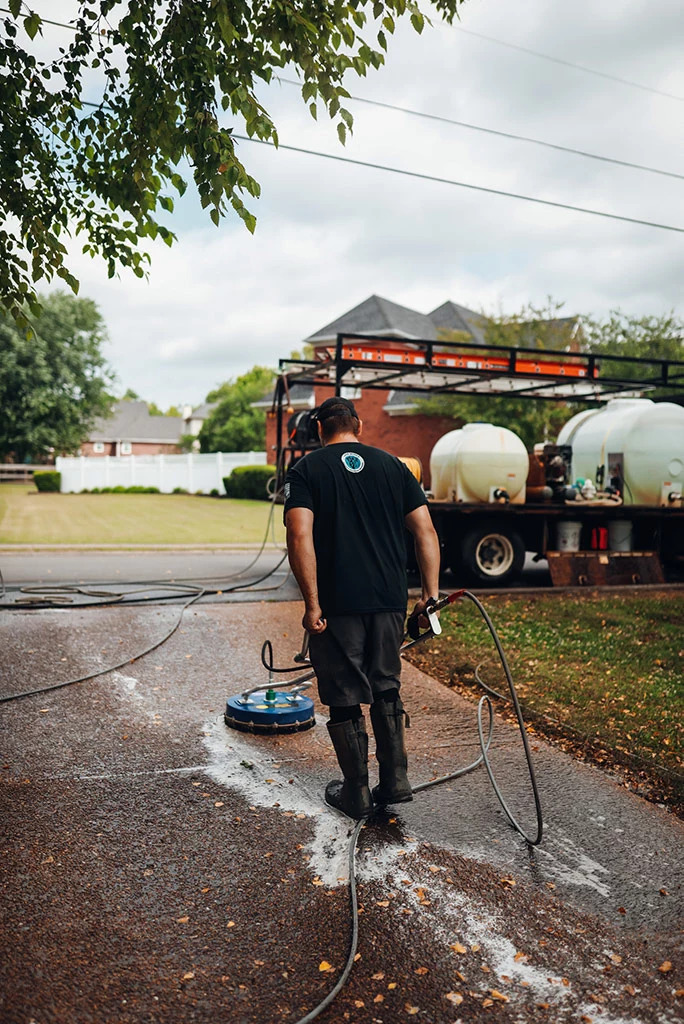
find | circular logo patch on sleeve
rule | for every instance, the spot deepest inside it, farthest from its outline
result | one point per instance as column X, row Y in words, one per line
column 352, row 462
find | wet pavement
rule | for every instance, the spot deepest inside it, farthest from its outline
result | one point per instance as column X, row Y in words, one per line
column 157, row 867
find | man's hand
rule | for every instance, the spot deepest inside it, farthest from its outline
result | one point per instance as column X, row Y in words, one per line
column 313, row 621
column 419, row 610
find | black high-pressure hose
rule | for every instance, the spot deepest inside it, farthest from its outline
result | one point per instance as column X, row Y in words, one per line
column 485, row 742
column 59, row 598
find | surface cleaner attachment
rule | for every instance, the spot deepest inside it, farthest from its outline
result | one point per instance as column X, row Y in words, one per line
column 275, row 707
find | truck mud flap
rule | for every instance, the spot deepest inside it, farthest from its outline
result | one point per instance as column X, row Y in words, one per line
column 604, row 568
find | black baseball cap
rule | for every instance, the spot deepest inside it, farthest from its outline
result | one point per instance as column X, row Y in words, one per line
column 335, row 406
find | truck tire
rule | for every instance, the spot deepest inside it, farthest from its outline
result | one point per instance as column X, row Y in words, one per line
column 490, row 555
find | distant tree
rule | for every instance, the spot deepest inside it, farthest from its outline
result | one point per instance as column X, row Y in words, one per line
column 54, row 384
column 95, row 135
column 154, row 410
column 645, row 337
column 533, row 421
column 130, row 395
column 233, row 426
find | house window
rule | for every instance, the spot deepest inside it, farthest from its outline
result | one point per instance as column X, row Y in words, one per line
column 98, row 447
column 351, row 393
column 126, row 447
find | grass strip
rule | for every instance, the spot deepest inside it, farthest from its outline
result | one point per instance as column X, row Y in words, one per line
column 603, row 665
column 27, row 517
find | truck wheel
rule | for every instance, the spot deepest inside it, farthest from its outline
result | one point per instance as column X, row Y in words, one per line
column 491, row 555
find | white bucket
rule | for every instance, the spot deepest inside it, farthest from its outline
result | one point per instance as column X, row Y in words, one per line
column 619, row 535
column 568, row 536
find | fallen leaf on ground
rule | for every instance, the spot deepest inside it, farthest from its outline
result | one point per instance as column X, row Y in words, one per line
column 218, row 803
column 324, row 966
column 487, row 1002
column 316, row 881
column 358, row 1003
column 182, row 920
column 454, row 997
column 392, row 984
column 188, row 975
column 520, row 956
column 379, row 998
column 421, row 970
column 665, row 967
column 410, row 1009
column 379, row 976
column 458, row 948
column 475, row 947
column 616, row 958
column 382, row 903
column 630, row 990
column 495, row 994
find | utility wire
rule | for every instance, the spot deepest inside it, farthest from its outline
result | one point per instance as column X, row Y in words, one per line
column 480, row 128
column 570, row 64
column 463, row 184
column 490, row 39
column 504, row 135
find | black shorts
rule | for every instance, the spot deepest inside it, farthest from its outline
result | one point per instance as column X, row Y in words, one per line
column 357, row 657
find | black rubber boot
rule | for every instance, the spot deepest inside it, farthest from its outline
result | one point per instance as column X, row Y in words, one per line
column 351, row 796
column 389, row 721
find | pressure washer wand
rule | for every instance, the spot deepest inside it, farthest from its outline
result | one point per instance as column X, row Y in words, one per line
column 434, row 629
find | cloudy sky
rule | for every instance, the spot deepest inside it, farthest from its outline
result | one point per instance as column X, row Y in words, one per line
column 329, row 234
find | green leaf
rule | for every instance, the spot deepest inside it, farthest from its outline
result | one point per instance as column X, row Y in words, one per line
column 32, row 24
column 342, row 133
column 15, row 7
column 215, row 216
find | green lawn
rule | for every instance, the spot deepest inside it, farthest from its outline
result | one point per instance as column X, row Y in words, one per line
column 27, row 517
column 610, row 666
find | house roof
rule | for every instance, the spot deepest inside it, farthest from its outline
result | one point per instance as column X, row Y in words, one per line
column 203, row 411
column 301, row 397
column 131, row 421
column 376, row 315
column 452, row 317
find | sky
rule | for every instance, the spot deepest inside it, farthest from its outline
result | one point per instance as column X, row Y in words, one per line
column 329, row 234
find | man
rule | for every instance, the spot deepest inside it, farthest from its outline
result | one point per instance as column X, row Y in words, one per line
column 347, row 507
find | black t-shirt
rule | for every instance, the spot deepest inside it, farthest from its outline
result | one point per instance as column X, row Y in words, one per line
column 359, row 496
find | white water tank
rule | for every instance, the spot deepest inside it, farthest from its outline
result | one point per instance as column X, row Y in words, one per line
column 640, row 440
column 473, row 463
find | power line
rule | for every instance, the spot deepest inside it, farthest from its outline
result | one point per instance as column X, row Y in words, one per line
column 570, row 64
column 499, row 42
column 504, row 135
column 463, row 184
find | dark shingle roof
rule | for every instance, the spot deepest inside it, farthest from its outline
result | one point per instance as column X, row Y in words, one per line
column 131, row 421
column 452, row 317
column 301, row 397
column 378, row 316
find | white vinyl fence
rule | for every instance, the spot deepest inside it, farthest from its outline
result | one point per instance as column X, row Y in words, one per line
column 193, row 473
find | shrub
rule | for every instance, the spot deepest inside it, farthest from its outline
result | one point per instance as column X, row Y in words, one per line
column 249, row 482
column 141, row 489
column 179, row 490
column 213, row 493
column 119, row 489
column 49, row 480
column 95, row 490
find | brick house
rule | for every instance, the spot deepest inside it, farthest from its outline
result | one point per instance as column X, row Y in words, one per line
column 390, row 420
column 130, row 430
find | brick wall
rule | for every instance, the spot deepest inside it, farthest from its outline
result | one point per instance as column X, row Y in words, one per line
column 413, row 435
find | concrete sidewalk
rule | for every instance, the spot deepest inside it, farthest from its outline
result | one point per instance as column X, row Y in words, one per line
column 160, row 868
